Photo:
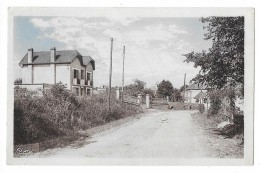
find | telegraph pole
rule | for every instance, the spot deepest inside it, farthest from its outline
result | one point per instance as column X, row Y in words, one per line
column 184, row 88
column 123, row 76
column 110, row 75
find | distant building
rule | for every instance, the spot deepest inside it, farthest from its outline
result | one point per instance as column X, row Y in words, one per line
column 100, row 90
column 69, row 67
column 196, row 93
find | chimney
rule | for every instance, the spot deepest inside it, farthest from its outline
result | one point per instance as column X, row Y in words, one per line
column 30, row 55
column 53, row 54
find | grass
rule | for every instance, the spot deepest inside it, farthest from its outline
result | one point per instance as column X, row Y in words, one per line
column 220, row 146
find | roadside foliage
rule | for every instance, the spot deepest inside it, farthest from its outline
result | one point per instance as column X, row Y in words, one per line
column 43, row 117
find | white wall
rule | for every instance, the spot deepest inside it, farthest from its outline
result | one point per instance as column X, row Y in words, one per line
column 26, row 75
column 32, row 87
column 190, row 94
column 194, row 93
column 43, row 74
column 63, row 74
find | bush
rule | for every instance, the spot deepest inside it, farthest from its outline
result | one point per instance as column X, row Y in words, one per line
column 215, row 102
column 61, row 113
column 30, row 125
column 94, row 111
column 201, row 108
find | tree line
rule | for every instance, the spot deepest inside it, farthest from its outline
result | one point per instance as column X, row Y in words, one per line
column 222, row 65
column 164, row 89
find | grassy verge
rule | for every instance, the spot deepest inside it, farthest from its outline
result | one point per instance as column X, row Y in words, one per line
column 219, row 146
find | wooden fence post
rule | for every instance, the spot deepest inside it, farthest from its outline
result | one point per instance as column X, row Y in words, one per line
column 147, row 101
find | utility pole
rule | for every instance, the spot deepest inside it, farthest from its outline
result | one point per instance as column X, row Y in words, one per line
column 184, row 88
column 110, row 75
column 123, row 76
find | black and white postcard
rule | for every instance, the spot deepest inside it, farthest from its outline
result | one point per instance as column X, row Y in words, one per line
column 130, row 86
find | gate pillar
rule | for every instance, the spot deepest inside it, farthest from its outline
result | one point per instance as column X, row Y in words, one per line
column 139, row 98
column 147, row 101
column 117, row 93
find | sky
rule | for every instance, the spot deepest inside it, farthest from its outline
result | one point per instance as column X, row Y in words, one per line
column 154, row 46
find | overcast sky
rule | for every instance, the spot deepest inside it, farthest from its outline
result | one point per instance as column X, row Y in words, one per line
column 154, row 46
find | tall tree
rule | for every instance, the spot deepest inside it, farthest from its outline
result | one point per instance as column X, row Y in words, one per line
column 136, row 88
column 224, row 61
column 165, row 88
column 176, row 95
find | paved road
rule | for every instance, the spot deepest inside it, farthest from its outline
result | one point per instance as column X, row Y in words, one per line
column 164, row 134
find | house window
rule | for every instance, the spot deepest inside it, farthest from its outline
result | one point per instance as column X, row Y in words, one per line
column 76, row 75
column 82, row 74
column 88, row 92
column 81, row 91
column 84, row 90
column 88, row 76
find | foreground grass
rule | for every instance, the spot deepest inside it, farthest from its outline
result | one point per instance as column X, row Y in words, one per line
column 219, row 146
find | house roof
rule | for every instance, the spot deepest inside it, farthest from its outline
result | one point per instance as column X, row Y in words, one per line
column 197, row 86
column 62, row 57
column 201, row 95
column 87, row 59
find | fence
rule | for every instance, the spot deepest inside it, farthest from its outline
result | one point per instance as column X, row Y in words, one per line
column 144, row 101
column 159, row 101
column 132, row 99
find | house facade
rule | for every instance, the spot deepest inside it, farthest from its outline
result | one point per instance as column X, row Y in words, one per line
column 196, row 93
column 68, row 67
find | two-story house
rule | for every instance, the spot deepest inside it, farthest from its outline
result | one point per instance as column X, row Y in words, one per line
column 68, row 67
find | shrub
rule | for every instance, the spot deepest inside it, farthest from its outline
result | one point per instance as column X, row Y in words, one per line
column 215, row 102
column 61, row 113
column 18, row 81
column 30, row 125
column 94, row 111
column 201, row 108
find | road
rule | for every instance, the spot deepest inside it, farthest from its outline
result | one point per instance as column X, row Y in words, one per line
column 159, row 134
